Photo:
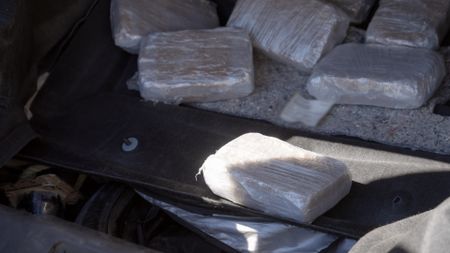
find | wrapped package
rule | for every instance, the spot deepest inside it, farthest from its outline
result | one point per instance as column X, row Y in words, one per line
column 297, row 32
column 196, row 66
column 414, row 23
column 277, row 178
column 307, row 111
column 357, row 10
column 132, row 20
column 393, row 77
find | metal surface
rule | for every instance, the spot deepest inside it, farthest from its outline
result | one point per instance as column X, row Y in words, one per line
column 48, row 234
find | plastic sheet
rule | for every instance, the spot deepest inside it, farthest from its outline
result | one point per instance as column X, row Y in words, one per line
column 295, row 32
column 277, row 178
column 358, row 10
column 131, row 20
column 196, row 66
column 249, row 234
column 309, row 112
column 393, row 77
column 415, row 23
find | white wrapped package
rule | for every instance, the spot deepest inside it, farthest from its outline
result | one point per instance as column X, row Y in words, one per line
column 297, row 32
column 196, row 66
column 357, row 10
column 277, row 178
column 131, row 20
column 393, row 77
column 414, row 23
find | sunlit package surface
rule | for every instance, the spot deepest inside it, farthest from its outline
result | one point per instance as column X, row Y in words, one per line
column 297, row 32
column 414, row 23
column 358, row 10
column 196, row 66
column 131, row 20
column 277, row 178
column 377, row 75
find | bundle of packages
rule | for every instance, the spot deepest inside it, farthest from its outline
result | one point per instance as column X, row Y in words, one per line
column 196, row 66
column 277, row 178
column 297, row 32
column 378, row 75
column 415, row 23
column 357, row 10
column 134, row 19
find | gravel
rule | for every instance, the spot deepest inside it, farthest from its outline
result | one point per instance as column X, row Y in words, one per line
column 276, row 83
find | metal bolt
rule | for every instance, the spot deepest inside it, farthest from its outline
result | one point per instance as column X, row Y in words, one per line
column 130, row 144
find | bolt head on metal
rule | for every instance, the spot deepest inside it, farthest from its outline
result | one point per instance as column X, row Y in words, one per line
column 130, row 144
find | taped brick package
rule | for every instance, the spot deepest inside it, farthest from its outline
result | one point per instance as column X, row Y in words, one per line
column 297, row 32
column 133, row 19
column 196, row 66
column 378, row 75
column 415, row 23
column 357, row 10
column 277, row 178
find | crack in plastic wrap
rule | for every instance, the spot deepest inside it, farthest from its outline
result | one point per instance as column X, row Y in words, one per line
column 393, row 77
column 196, row 66
column 131, row 20
column 297, row 32
column 277, row 178
column 414, row 23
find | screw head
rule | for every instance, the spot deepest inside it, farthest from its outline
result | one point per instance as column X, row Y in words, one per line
column 130, row 144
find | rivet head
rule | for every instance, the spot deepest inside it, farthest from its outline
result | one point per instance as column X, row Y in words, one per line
column 130, row 144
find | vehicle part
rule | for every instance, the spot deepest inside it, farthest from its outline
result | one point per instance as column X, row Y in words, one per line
column 50, row 184
column 118, row 211
column 53, row 235
column 427, row 232
column 17, row 76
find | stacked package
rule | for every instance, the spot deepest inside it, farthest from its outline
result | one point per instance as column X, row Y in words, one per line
column 133, row 19
column 378, row 75
column 277, row 178
column 196, row 66
column 297, row 32
column 357, row 10
column 414, row 23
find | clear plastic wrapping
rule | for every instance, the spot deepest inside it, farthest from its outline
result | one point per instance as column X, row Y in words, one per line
column 297, row 32
column 358, row 10
column 131, row 20
column 393, row 77
column 415, row 23
column 250, row 234
column 277, row 178
column 196, row 66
